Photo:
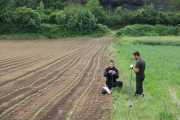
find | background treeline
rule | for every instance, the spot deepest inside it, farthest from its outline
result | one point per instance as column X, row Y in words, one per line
column 65, row 18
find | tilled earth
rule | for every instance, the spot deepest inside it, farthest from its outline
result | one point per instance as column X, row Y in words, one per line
column 53, row 79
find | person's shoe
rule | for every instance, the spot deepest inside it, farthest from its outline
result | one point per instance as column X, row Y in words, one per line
column 136, row 95
column 142, row 94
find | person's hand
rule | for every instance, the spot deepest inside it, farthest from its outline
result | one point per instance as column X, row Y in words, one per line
column 110, row 71
column 131, row 67
column 114, row 72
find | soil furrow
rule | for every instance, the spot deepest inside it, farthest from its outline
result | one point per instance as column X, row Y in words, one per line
column 36, row 67
column 36, row 60
column 45, row 93
column 18, row 58
column 94, row 104
column 73, row 94
column 55, row 95
column 42, row 74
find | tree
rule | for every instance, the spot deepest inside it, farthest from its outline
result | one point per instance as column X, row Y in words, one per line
column 60, row 18
column 26, row 18
column 57, row 4
column 5, row 9
column 28, row 3
column 86, row 22
column 40, row 8
column 96, row 10
column 118, row 10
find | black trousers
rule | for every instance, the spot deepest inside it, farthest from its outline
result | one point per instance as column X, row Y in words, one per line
column 117, row 83
column 139, row 84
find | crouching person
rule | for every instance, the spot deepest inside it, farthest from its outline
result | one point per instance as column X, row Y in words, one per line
column 111, row 74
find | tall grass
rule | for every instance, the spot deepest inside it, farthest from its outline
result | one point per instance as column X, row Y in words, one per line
column 161, row 85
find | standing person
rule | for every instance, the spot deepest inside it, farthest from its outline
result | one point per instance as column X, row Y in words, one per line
column 139, row 70
column 109, row 73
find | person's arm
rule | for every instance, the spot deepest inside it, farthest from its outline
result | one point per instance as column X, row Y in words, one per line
column 106, row 72
column 116, row 74
column 136, row 68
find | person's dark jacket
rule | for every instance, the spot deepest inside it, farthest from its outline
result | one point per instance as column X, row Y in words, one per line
column 109, row 76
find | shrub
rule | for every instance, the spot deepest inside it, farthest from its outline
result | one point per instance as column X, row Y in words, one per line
column 5, row 11
column 26, row 18
column 71, row 23
column 60, row 18
column 40, row 8
column 52, row 18
column 97, row 11
column 102, row 28
column 177, row 18
column 118, row 10
column 148, row 30
column 56, row 4
column 137, row 17
column 49, row 11
column 86, row 22
column 114, row 21
column 28, row 3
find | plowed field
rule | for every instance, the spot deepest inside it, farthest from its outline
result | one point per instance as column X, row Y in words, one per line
column 53, row 79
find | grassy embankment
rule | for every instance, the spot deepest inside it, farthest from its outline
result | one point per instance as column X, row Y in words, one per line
column 161, row 85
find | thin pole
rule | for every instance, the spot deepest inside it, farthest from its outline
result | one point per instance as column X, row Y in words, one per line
column 130, row 84
column 112, row 79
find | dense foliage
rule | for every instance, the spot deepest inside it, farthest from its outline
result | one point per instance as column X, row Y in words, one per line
column 20, row 16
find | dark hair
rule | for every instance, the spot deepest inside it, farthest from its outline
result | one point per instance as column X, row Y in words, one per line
column 111, row 61
column 136, row 53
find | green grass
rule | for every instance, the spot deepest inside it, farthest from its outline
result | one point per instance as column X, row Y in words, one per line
column 161, row 85
column 152, row 40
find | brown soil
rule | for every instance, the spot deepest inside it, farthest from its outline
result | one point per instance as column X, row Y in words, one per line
column 27, row 67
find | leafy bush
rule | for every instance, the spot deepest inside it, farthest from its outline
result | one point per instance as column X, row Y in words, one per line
column 49, row 11
column 118, row 11
column 5, row 11
column 40, row 8
column 28, row 3
column 71, row 23
column 114, row 21
column 86, row 22
column 60, row 18
column 52, row 18
column 97, row 11
column 56, row 4
column 148, row 30
column 102, row 28
column 26, row 18
column 177, row 18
